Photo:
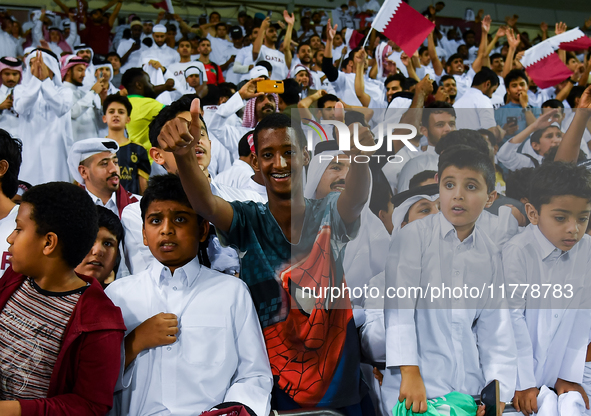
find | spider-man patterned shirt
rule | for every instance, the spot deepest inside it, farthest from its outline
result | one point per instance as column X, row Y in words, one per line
column 311, row 337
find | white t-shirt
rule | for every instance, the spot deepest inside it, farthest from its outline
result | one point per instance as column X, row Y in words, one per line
column 474, row 111
column 176, row 72
column 277, row 61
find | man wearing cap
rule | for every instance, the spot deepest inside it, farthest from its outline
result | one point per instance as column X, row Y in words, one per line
column 98, row 31
column 164, row 53
column 45, row 127
column 11, row 71
column 177, row 71
column 231, row 55
column 130, row 50
column 93, row 163
column 85, row 112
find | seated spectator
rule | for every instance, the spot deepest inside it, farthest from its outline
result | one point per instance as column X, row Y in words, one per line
column 104, row 257
column 220, row 351
column 56, row 227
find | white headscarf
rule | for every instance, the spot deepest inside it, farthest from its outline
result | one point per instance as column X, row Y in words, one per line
column 83, row 149
column 401, row 210
column 316, row 169
column 51, row 63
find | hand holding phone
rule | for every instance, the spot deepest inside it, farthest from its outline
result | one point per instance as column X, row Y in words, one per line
column 270, row 86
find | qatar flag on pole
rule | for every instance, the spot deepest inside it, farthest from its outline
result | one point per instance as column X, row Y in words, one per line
column 403, row 25
column 164, row 4
column 572, row 40
column 544, row 66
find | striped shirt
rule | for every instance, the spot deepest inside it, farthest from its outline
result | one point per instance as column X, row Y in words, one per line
column 32, row 324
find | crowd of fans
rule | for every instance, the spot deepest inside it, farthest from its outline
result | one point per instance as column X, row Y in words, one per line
column 177, row 238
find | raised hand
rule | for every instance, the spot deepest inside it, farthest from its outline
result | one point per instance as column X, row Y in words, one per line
column 486, row 23
column 544, row 27
column 560, row 28
column 502, row 31
column 331, row 31
column 290, row 20
column 249, row 90
column 180, row 136
column 266, row 23
column 512, row 39
column 546, row 119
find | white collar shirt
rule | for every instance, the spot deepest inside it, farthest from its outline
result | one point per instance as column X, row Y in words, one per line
column 550, row 323
column 456, row 340
column 219, row 355
column 110, row 205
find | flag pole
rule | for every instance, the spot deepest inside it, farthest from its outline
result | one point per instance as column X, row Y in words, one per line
column 367, row 38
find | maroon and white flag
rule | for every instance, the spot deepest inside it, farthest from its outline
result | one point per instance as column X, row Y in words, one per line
column 403, row 25
column 544, row 66
column 571, row 40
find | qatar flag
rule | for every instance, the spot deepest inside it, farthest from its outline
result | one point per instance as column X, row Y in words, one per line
column 544, row 66
column 403, row 25
column 572, row 40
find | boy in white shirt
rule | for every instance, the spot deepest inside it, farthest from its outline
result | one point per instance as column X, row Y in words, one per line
column 456, row 342
column 551, row 255
column 193, row 338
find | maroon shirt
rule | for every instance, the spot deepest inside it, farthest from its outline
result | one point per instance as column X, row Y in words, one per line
column 88, row 364
column 96, row 36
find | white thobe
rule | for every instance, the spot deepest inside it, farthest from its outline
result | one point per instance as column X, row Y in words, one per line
column 45, row 129
column 219, row 355
column 551, row 333
column 164, row 54
column 9, row 119
column 135, row 58
column 84, row 112
column 457, row 348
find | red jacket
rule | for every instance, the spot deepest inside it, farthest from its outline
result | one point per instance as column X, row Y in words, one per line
column 88, row 364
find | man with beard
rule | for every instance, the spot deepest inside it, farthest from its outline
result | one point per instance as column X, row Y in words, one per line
column 130, row 50
column 213, row 72
column 86, row 53
column 94, row 164
column 43, row 106
column 257, row 108
column 142, row 96
column 84, row 112
column 98, row 30
column 447, row 83
column 11, row 70
column 164, row 53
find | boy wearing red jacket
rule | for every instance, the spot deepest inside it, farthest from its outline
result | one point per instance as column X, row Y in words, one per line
column 53, row 321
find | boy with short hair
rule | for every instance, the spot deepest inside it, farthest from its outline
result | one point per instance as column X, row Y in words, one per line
column 133, row 158
column 103, row 259
column 552, row 253
column 456, row 343
column 65, row 360
column 217, row 353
